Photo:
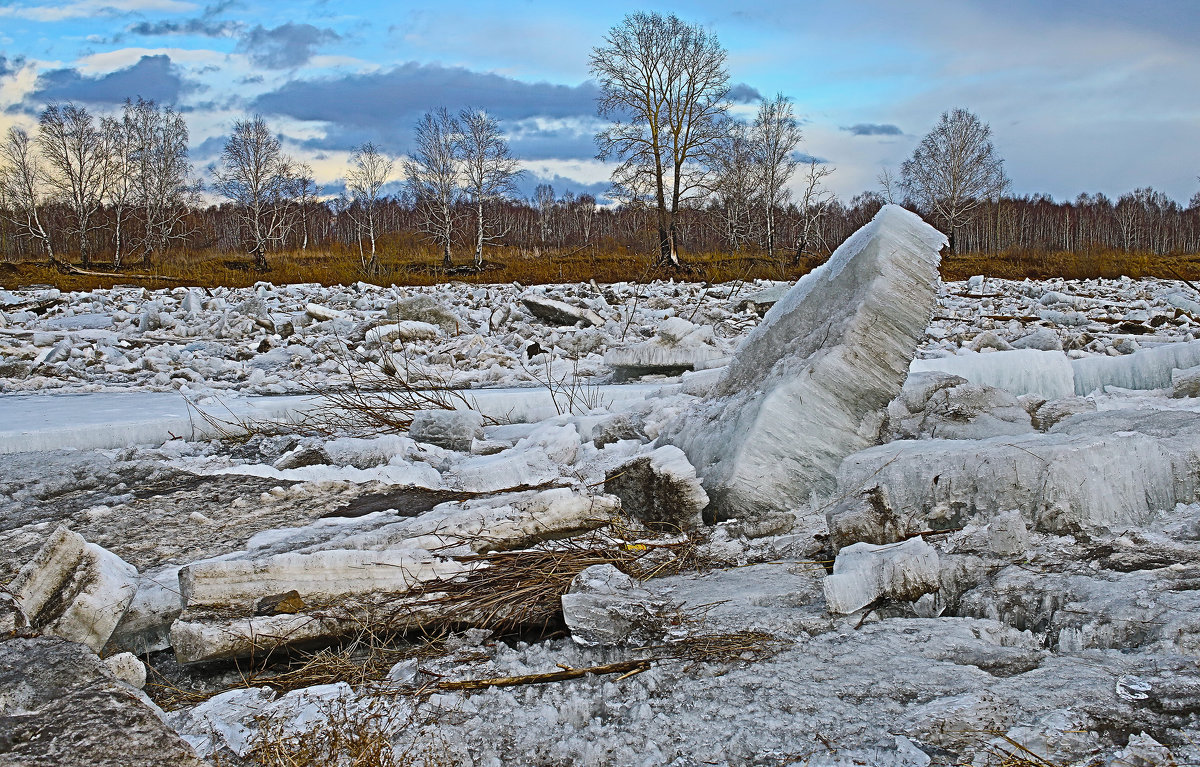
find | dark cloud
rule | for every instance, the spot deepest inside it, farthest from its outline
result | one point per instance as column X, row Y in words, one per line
column 528, row 183
column 11, row 66
column 152, row 77
column 383, row 106
column 744, row 94
column 806, row 158
column 286, row 46
column 874, row 129
column 201, row 27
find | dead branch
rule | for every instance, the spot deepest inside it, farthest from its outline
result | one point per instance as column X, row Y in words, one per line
column 628, row 667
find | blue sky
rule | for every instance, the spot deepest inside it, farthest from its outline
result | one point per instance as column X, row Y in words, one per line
column 1081, row 96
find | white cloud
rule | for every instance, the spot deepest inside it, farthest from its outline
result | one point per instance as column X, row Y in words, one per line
column 82, row 9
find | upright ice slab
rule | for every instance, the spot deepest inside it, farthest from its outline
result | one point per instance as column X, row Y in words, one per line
column 807, row 387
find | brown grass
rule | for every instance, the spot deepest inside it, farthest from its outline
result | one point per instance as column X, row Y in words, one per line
column 349, row 737
column 415, row 266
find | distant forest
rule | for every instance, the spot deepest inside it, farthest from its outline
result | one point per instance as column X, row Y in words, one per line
column 1141, row 221
column 689, row 181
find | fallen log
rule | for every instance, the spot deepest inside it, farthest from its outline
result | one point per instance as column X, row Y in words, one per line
column 626, row 667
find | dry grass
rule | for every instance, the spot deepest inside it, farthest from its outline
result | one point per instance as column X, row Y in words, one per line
column 380, row 398
column 417, row 265
column 346, row 736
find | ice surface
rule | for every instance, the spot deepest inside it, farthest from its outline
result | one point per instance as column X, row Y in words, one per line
column 807, row 386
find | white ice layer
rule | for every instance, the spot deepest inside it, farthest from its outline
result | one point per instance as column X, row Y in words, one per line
column 805, row 386
column 1053, row 375
column 1021, row 371
column 75, row 589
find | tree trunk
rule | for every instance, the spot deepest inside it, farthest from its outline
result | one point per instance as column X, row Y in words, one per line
column 479, row 234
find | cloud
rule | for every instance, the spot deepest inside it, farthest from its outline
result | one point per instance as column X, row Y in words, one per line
column 200, row 27
column 286, row 46
column 874, row 129
column 152, row 77
column 383, row 106
column 744, row 94
column 807, row 158
column 83, row 9
column 11, row 66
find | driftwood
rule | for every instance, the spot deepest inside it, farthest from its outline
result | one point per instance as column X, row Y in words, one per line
column 626, row 667
column 69, row 269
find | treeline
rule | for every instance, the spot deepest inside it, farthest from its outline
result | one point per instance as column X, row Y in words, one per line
column 121, row 188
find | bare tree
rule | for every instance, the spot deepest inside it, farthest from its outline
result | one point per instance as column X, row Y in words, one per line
column 369, row 172
column 77, row 165
column 119, row 190
column 304, row 188
column 432, row 175
column 490, row 171
column 665, row 86
column 543, row 202
column 259, row 178
column 887, row 184
column 20, row 187
column 737, row 184
column 775, row 138
column 814, row 204
column 159, row 173
column 954, row 169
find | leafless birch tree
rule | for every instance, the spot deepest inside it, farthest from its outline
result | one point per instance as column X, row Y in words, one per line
column 954, row 169
column 665, row 87
column 489, row 170
column 77, row 166
column 776, row 136
column 736, row 184
column 433, row 174
column 259, row 178
column 370, row 169
column 813, row 206
column 21, row 188
column 160, row 173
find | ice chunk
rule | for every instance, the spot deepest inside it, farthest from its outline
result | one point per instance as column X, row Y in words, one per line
column 75, row 589
column 1021, row 371
column 661, row 489
column 560, row 312
column 1043, row 339
column 1093, row 469
column 451, row 429
column 127, row 668
column 808, row 385
column 863, row 573
column 1007, row 534
column 604, row 606
column 1185, row 383
column 427, row 309
column 405, row 330
column 146, row 625
column 678, row 346
column 1144, row 369
column 964, row 411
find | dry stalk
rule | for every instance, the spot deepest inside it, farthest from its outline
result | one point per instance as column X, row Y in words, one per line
column 381, row 398
column 348, row 735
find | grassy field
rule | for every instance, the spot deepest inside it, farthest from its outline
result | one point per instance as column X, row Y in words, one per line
column 423, row 268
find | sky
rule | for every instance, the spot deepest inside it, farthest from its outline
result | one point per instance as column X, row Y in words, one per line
column 1082, row 95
